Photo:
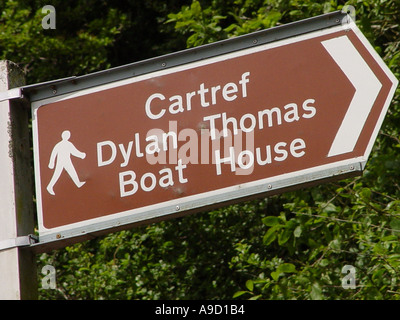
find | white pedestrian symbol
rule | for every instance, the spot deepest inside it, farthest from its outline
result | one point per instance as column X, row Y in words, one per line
column 63, row 151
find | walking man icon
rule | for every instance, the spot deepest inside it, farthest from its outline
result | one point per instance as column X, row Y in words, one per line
column 62, row 152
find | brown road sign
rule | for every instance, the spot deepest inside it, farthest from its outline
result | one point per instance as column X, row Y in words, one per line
column 220, row 129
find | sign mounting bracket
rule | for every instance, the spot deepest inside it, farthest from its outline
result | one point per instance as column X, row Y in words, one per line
column 22, row 241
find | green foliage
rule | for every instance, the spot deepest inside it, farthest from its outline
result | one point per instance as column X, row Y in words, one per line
column 315, row 239
column 225, row 19
column 291, row 246
column 45, row 53
column 202, row 24
column 89, row 36
column 186, row 258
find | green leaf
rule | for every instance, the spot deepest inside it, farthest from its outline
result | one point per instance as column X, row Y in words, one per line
column 270, row 236
column 250, row 285
column 271, row 221
column 324, row 262
column 287, row 268
column 329, row 208
column 395, row 224
column 239, row 293
column 283, row 268
column 275, row 275
column 316, row 292
column 297, row 232
column 284, row 236
column 366, row 194
column 335, row 244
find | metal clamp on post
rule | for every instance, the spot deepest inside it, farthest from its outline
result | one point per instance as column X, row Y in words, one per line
column 10, row 94
column 22, row 241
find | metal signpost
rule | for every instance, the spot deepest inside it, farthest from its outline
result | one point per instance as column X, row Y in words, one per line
column 17, row 263
column 271, row 111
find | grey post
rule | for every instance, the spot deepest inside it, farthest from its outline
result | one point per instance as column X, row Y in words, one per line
column 18, row 278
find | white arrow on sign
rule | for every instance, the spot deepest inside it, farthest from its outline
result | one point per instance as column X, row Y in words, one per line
column 367, row 89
